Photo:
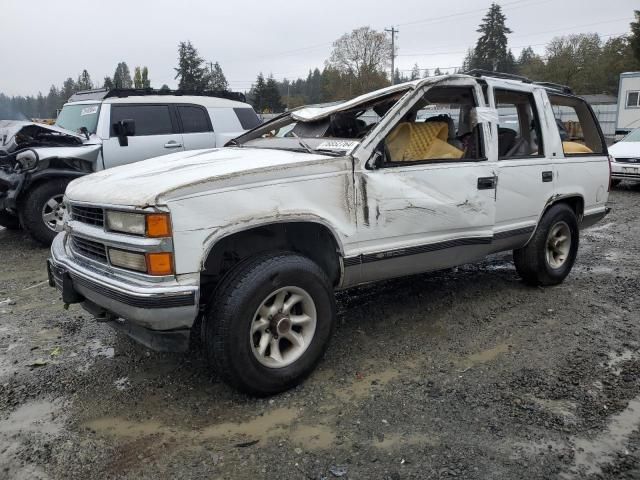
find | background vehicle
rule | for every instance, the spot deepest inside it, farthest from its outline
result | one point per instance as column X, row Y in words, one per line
column 245, row 245
column 100, row 129
column 626, row 158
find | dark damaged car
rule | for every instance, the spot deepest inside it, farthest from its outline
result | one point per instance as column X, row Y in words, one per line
column 101, row 129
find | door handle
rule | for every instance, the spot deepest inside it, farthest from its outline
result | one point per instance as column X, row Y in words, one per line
column 487, row 183
column 547, row 176
column 172, row 144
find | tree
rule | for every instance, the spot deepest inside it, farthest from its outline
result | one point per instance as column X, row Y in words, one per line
column 530, row 64
column 635, row 36
column 122, row 76
column 258, row 94
column 68, row 88
column 190, row 71
column 164, row 88
column 137, row 78
column 415, row 72
column 426, row 73
column 108, row 83
column 84, row 81
column 437, row 72
column 364, row 55
column 146, row 83
column 491, row 51
column 217, row 80
column 272, row 96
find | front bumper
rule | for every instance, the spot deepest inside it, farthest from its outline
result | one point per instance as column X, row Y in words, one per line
column 625, row 171
column 157, row 314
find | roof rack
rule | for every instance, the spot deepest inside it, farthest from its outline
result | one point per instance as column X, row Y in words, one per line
column 510, row 76
column 102, row 93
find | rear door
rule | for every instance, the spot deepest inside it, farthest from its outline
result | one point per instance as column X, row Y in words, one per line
column 157, row 133
column 581, row 164
column 525, row 162
column 197, row 129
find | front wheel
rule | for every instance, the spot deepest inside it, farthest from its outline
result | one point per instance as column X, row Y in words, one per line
column 549, row 256
column 42, row 210
column 269, row 323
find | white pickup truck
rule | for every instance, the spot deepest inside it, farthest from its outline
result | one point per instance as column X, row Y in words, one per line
column 100, row 129
column 245, row 245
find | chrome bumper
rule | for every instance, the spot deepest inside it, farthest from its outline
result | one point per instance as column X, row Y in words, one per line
column 153, row 306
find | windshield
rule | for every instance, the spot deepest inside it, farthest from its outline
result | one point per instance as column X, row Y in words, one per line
column 337, row 131
column 74, row 117
column 634, row 136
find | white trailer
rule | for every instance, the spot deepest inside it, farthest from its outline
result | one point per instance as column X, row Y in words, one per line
column 628, row 103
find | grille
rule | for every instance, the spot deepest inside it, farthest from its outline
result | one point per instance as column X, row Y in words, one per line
column 90, row 215
column 89, row 248
column 629, row 160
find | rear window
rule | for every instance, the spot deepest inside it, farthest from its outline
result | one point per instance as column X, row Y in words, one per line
column 577, row 125
column 194, row 119
column 149, row 119
column 247, row 117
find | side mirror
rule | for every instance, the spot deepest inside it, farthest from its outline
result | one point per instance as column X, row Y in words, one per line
column 124, row 129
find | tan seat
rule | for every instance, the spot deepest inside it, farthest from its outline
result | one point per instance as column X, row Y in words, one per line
column 409, row 142
column 575, row 147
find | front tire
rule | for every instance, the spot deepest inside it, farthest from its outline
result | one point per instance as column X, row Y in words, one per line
column 42, row 209
column 269, row 323
column 549, row 256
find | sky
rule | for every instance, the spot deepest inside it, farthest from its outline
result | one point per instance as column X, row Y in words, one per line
column 52, row 40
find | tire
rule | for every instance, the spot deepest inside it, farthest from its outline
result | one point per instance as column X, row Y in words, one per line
column 35, row 206
column 9, row 221
column 242, row 302
column 546, row 260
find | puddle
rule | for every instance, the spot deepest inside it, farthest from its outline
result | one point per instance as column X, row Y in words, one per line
column 270, row 424
column 39, row 417
column 313, row 437
column 590, row 454
column 484, row 356
column 365, row 384
column 616, row 358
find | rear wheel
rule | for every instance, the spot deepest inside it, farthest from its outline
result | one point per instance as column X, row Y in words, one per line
column 269, row 323
column 42, row 209
column 549, row 256
column 9, row 220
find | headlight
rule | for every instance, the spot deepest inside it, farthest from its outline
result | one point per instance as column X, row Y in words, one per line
column 151, row 225
column 27, row 159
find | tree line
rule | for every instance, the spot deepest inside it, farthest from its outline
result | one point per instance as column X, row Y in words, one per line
column 359, row 62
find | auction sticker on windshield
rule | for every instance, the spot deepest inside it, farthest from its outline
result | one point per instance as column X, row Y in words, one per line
column 338, row 145
column 92, row 110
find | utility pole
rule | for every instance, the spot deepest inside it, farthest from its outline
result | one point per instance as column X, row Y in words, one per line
column 393, row 31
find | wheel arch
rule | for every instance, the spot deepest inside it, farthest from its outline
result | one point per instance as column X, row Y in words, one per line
column 313, row 238
column 574, row 200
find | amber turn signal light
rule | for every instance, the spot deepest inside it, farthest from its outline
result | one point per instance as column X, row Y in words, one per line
column 160, row 263
column 158, row 225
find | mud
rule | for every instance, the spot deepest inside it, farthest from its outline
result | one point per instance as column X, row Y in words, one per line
column 465, row 373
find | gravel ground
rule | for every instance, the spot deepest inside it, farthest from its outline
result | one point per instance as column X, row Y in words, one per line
column 466, row 373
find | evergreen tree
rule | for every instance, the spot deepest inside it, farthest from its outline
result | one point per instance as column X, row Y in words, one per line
column 108, row 83
column 437, row 72
column 164, row 87
column 122, row 76
column 191, row 71
column 68, row 89
column 272, row 96
column 84, row 81
column 635, row 36
column 146, row 83
column 217, row 80
column 137, row 78
column 258, row 95
column 426, row 73
column 491, row 51
column 415, row 72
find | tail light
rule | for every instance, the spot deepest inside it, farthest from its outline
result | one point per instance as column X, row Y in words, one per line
column 610, row 179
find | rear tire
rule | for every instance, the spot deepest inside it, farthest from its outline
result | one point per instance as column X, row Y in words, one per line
column 549, row 256
column 257, row 308
column 9, row 220
column 42, row 208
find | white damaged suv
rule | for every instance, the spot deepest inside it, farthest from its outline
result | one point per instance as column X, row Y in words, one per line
column 245, row 245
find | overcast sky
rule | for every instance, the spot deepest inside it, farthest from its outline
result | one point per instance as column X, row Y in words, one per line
column 52, row 40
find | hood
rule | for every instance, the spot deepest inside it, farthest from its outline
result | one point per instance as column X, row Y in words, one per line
column 154, row 181
column 625, row 150
column 15, row 134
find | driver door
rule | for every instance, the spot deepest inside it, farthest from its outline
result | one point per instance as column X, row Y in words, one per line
column 427, row 210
